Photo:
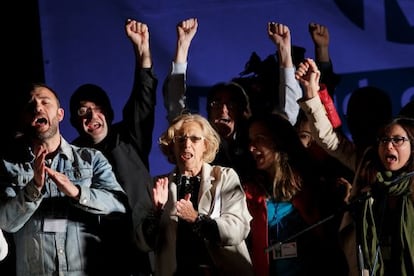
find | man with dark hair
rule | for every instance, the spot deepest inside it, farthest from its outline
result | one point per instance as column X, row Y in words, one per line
column 127, row 144
column 53, row 194
column 92, row 93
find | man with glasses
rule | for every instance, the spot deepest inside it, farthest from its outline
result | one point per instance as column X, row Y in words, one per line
column 127, row 144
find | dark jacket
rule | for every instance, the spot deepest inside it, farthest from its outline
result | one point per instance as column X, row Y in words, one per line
column 127, row 147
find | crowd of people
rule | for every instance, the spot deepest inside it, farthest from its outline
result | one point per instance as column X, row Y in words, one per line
column 278, row 190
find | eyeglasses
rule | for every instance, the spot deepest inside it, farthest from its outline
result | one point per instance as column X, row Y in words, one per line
column 182, row 139
column 83, row 110
column 396, row 141
column 219, row 105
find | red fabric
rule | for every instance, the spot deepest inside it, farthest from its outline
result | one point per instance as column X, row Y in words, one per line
column 330, row 108
column 256, row 202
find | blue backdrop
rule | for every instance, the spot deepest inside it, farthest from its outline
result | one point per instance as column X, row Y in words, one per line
column 371, row 42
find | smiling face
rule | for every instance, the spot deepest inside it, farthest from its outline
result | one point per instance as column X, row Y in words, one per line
column 262, row 147
column 43, row 114
column 189, row 148
column 93, row 121
column 394, row 149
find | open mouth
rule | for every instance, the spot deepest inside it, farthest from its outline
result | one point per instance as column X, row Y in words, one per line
column 186, row 156
column 40, row 121
column 391, row 158
column 223, row 121
column 258, row 156
column 93, row 126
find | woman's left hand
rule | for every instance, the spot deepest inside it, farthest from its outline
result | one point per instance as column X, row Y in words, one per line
column 185, row 209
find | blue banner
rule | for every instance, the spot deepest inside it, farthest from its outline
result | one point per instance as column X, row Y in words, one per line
column 371, row 42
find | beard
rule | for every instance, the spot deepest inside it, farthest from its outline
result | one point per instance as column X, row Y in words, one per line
column 49, row 133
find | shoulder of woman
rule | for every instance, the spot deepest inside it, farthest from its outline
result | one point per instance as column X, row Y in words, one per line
column 221, row 170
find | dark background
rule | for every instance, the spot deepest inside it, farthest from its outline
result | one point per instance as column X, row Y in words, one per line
column 70, row 42
column 365, row 50
column 21, row 57
column 21, row 62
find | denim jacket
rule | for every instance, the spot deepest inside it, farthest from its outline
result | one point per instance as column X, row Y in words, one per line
column 55, row 234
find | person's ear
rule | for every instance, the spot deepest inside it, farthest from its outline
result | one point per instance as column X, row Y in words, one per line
column 61, row 114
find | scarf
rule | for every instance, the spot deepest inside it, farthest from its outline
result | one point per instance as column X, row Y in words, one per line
column 395, row 186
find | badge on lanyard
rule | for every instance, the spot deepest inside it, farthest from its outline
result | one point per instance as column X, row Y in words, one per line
column 285, row 250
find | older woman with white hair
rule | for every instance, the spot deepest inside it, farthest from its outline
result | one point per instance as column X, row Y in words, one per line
column 195, row 218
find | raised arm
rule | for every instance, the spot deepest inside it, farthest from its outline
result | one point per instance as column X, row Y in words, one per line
column 308, row 75
column 147, row 213
column 289, row 88
column 138, row 33
column 186, row 30
column 323, row 132
column 320, row 37
column 139, row 111
column 174, row 87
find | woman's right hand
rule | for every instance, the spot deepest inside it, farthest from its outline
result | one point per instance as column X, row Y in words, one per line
column 160, row 193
